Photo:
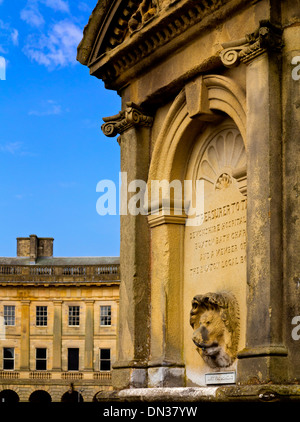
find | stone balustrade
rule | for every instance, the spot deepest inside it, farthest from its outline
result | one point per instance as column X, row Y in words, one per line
column 60, row 273
column 103, row 377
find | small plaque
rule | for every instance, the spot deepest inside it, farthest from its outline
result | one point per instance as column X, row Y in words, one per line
column 220, row 378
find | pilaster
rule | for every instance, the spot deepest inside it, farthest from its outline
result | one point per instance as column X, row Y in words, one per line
column 89, row 335
column 133, row 325
column 166, row 367
column 265, row 355
column 25, row 336
column 57, row 335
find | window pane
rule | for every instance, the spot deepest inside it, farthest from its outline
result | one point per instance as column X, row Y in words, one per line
column 41, row 353
column 41, row 359
column 105, row 363
column 41, row 315
column 105, row 315
column 41, row 365
column 73, row 359
column 9, row 315
column 104, row 353
column 8, row 352
column 8, row 357
column 8, row 364
column 74, row 313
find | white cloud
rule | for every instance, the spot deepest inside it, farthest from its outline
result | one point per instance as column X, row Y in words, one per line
column 17, row 149
column 31, row 15
column 49, row 108
column 58, row 47
column 7, row 34
column 15, row 37
column 57, row 5
column 3, row 25
column 84, row 7
column 11, row 147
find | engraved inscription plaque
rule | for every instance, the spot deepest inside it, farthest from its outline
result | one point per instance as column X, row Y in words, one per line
column 215, row 250
column 220, row 242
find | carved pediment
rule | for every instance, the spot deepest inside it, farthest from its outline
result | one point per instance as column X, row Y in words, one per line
column 130, row 16
column 121, row 33
column 112, row 21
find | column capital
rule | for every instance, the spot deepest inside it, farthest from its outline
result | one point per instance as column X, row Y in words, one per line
column 133, row 115
column 267, row 37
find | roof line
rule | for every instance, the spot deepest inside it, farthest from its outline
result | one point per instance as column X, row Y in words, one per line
column 90, row 31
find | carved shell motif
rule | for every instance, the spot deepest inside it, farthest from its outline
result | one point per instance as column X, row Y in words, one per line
column 224, row 161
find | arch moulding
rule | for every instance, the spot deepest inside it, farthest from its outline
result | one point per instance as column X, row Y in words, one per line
column 204, row 100
column 201, row 101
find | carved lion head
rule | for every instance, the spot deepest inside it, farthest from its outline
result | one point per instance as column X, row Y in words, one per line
column 215, row 320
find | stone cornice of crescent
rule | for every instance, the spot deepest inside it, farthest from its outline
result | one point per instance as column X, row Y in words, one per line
column 187, row 16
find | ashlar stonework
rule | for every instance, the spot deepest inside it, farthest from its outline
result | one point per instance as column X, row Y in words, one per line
column 210, row 95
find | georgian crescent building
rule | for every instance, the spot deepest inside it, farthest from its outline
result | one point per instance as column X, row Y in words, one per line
column 58, row 319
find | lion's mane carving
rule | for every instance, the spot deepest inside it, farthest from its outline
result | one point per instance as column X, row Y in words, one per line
column 215, row 320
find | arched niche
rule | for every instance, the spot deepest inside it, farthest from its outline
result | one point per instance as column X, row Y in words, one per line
column 204, row 131
column 215, row 253
column 186, row 117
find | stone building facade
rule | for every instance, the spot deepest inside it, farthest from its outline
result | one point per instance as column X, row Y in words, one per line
column 58, row 319
column 210, row 95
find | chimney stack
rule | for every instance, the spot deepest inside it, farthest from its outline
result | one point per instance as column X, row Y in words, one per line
column 34, row 247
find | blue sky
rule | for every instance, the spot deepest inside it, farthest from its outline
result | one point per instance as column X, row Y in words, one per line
column 52, row 150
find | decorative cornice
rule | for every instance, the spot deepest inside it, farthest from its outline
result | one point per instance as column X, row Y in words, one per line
column 146, row 10
column 266, row 38
column 145, row 35
column 131, row 116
